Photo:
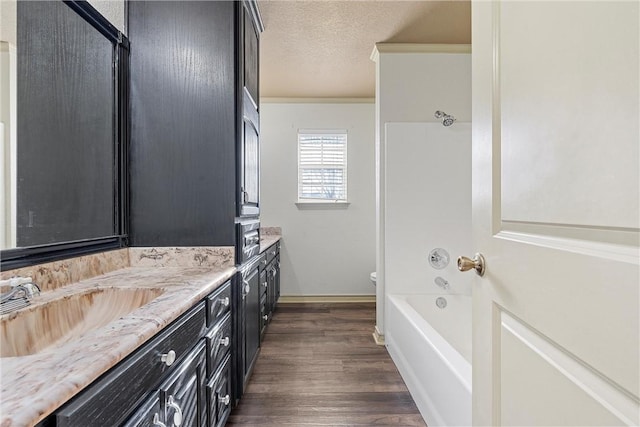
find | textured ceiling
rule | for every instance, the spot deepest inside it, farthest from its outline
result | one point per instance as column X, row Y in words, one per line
column 319, row 48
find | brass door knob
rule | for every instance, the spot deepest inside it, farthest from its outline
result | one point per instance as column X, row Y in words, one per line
column 477, row 263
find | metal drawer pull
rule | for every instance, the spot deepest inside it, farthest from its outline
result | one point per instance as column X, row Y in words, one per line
column 226, row 399
column 264, row 284
column 265, row 317
column 177, row 415
column 224, row 301
column 156, row 421
column 168, row 358
column 245, row 289
column 224, row 341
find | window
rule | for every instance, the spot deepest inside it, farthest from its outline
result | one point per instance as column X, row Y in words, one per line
column 322, row 165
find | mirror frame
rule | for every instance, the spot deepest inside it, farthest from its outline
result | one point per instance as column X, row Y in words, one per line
column 26, row 256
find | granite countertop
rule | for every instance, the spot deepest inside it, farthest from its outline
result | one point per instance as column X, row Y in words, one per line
column 267, row 241
column 36, row 385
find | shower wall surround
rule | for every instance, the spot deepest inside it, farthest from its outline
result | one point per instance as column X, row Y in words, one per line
column 413, row 81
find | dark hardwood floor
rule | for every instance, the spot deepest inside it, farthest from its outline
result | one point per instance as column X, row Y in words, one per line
column 319, row 366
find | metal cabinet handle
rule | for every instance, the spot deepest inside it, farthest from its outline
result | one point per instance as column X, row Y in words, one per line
column 251, row 240
column 264, row 284
column 226, row 399
column 477, row 263
column 168, row 358
column 245, row 289
column 156, row 421
column 177, row 415
column 225, row 301
column 224, row 341
column 265, row 317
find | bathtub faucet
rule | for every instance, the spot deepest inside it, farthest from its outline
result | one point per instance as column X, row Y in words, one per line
column 442, row 283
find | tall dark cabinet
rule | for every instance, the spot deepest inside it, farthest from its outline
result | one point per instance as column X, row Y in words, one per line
column 194, row 121
column 249, row 197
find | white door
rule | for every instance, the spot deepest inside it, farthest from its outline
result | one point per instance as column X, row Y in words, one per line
column 555, row 213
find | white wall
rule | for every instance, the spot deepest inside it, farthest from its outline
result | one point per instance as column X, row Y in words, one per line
column 327, row 251
column 410, row 86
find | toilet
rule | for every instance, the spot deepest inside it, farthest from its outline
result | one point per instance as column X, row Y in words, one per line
column 372, row 276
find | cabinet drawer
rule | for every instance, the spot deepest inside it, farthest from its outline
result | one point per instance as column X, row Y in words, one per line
column 218, row 303
column 110, row 399
column 271, row 252
column 219, row 341
column 148, row 414
column 219, row 395
column 263, row 260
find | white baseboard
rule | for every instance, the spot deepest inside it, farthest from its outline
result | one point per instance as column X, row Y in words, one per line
column 290, row 299
column 377, row 336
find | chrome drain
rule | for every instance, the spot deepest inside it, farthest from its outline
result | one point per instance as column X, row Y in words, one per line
column 441, row 302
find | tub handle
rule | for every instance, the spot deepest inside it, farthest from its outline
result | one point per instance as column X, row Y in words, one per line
column 477, row 263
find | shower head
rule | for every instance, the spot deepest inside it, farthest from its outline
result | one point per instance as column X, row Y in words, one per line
column 447, row 120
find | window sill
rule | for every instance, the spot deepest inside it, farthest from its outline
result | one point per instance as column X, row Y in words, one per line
column 322, row 205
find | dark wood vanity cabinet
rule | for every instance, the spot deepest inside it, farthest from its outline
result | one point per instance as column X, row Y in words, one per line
column 271, row 284
column 194, row 156
column 112, row 398
column 182, row 376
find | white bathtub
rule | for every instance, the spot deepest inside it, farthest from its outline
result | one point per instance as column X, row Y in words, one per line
column 431, row 347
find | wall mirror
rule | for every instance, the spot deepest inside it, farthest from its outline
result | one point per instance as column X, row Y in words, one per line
column 63, row 124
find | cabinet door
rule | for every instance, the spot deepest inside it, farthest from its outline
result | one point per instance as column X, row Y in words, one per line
column 252, row 322
column 219, row 395
column 251, row 66
column 276, row 280
column 249, row 171
column 250, row 168
column 183, row 393
column 264, row 317
column 272, row 287
column 149, row 414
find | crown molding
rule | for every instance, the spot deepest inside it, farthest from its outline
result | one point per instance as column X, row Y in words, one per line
column 274, row 100
column 417, row 48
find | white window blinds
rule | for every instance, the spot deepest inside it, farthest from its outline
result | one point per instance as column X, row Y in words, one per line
column 322, row 165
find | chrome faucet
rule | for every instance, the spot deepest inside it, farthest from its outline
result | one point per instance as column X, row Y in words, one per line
column 19, row 295
column 444, row 284
column 24, row 290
